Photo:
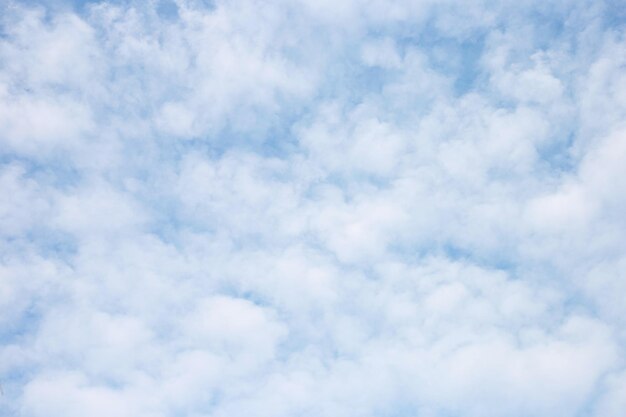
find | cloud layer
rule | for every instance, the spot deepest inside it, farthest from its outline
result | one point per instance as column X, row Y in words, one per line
column 313, row 208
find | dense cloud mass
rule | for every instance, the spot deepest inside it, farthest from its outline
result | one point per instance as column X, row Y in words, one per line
column 313, row 208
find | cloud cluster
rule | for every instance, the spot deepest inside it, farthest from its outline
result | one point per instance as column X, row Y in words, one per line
column 312, row 208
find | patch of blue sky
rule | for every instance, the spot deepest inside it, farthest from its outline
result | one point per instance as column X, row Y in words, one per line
column 23, row 323
column 54, row 170
column 166, row 9
column 615, row 14
column 456, row 57
column 556, row 155
column 505, row 259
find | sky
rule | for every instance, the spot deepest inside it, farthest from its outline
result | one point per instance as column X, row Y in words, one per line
column 313, row 208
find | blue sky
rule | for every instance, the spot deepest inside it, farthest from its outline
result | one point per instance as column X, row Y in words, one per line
column 312, row 208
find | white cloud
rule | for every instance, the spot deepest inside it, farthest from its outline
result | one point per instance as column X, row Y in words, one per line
column 312, row 209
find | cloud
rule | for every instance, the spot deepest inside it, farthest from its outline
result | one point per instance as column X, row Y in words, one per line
column 312, row 209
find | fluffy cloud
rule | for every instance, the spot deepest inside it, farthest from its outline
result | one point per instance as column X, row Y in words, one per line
column 312, row 209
